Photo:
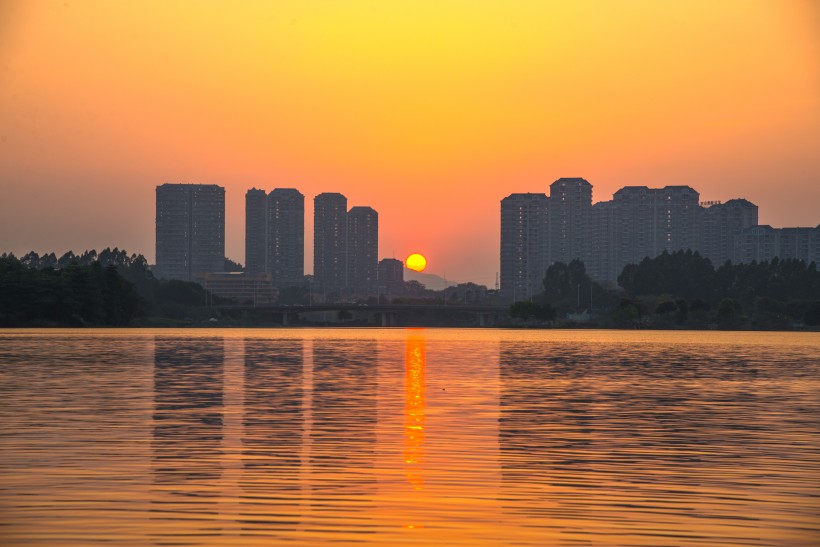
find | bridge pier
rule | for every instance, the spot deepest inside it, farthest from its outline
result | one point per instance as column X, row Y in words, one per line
column 284, row 319
column 388, row 319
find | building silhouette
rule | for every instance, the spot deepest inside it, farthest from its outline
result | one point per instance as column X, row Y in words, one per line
column 345, row 247
column 814, row 246
column 256, row 232
column 570, row 209
column 757, row 244
column 632, row 237
column 286, row 237
column 603, row 260
column 646, row 222
column 190, row 230
column 798, row 243
column 721, row 228
column 763, row 243
column 524, row 244
column 275, row 235
column 538, row 230
column 330, row 243
column 391, row 277
column 362, row 250
column 242, row 288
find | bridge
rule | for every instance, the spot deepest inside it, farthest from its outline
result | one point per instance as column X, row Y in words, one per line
column 387, row 315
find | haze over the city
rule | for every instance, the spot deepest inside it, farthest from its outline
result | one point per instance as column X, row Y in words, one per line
column 428, row 112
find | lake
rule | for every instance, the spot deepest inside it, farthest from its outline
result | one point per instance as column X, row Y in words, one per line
column 409, row 436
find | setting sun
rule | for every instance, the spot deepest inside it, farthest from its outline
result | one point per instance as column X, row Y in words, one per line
column 416, row 262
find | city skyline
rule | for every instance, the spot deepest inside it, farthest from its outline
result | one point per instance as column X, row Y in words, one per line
column 536, row 230
column 101, row 102
column 487, row 273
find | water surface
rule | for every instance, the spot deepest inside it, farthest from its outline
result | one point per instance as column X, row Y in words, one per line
column 409, row 436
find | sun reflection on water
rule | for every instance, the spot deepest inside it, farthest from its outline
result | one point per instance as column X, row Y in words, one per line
column 414, row 363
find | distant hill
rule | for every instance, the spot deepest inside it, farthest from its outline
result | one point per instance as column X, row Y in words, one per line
column 431, row 281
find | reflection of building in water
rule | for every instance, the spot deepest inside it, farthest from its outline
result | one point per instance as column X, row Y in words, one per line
column 519, row 412
column 343, row 434
column 188, row 408
column 414, row 406
column 543, row 423
column 273, row 421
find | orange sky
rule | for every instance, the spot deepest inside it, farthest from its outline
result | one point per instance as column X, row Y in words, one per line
column 429, row 111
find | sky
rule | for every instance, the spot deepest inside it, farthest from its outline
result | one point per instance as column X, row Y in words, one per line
column 429, row 111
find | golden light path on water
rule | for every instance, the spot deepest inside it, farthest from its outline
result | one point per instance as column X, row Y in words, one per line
column 409, row 436
column 414, row 363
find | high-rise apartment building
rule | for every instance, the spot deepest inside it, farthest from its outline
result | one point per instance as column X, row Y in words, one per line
column 720, row 227
column 570, row 208
column 814, row 247
column 796, row 243
column 676, row 210
column 286, row 237
column 190, row 230
column 256, row 232
column 275, row 235
column 362, row 250
column 601, row 263
column 524, row 244
column 644, row 222
column 329, row 243
column 757, row 244
column 633, row 237
column 763, row 243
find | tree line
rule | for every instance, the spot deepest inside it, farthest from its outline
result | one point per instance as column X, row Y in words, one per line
column 683, row 289
column 110, row 288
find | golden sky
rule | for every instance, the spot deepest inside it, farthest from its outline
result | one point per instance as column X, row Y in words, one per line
column 428, row 111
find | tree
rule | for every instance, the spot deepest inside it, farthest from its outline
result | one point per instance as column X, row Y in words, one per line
column 726, row 312
column 523, row 309
column 684, row 274
column 567, row 287
column 627, row 313
column 74, row 295
column 778, row 292
column 545, row 312
column 683, row 310
column 666, row 307
column 812, row 315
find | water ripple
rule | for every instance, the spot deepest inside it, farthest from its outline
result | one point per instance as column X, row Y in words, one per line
column 409, row 436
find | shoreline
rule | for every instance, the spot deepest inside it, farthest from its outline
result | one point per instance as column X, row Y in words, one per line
column 351, row 326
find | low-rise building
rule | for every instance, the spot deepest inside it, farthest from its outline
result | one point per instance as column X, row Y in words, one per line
column 391, row 277
column 249, row 289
